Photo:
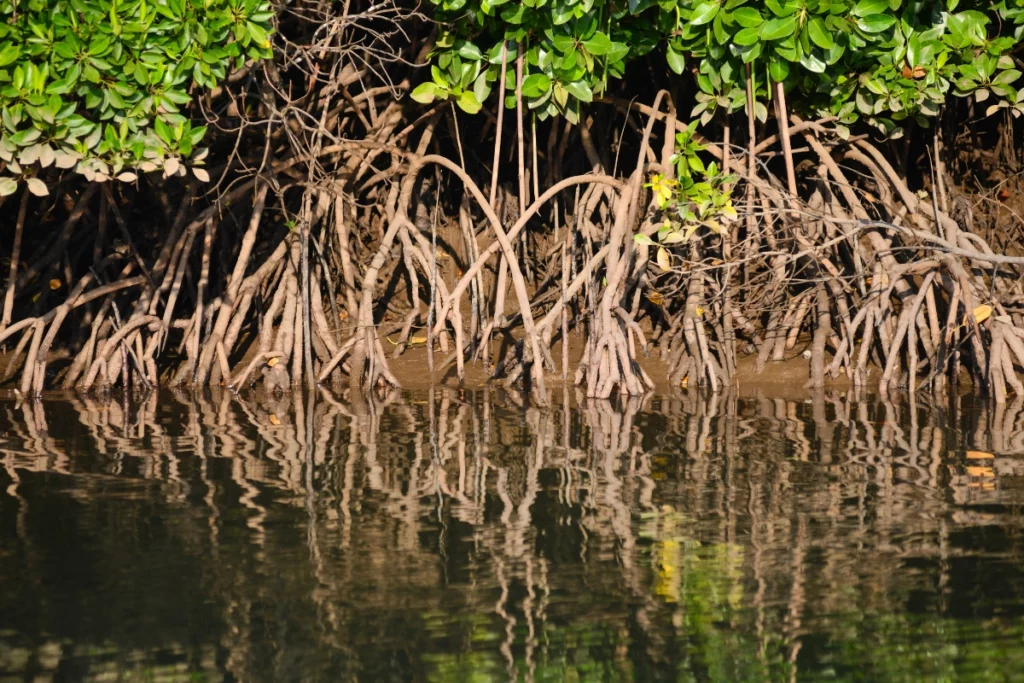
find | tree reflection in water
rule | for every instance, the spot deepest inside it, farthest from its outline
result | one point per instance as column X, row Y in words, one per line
column 466, row 535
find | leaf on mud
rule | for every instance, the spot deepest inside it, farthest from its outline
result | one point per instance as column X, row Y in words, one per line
column 55, row 284
column 663, row 259
column 981, row 313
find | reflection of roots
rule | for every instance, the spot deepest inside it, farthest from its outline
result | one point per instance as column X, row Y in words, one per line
column 644, row 479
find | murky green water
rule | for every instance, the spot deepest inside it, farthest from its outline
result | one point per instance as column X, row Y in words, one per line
column 462, row 536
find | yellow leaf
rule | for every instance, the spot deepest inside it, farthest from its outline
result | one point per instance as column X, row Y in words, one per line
column 979, row 455
column 655, row 297
column 713, row 226
column 417, row 339
column 700, row 311
column 272, row 362
column 55, row 284
column 274, row 420
column 663, row 259
column 981, row 313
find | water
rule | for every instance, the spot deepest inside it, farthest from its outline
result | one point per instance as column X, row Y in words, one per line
column 463, row 536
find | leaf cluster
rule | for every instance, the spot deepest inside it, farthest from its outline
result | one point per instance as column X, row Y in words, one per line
column 100, row 86
column 880, row 61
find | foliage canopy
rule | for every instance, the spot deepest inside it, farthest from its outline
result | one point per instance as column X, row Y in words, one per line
column 882, row 61
column 98, row 85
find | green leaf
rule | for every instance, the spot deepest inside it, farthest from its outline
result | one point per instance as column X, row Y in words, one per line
column 9, row 54
column 8, row 186
column 564, row 44
column 819, row 33
column 37, row 187
column 600, row 44
column 580, row 91
column 747, row 17
column 778, row 28
column 536, row 85
column 469, row 51
column 617, row 52
column 747, row 36
column 468, row 102
column 425, row 93
column 676, row 62
column 876, row 23
column 813, row 63
column 868, row 7
column 778, row 69
column 703, row 13
column 1006, row 77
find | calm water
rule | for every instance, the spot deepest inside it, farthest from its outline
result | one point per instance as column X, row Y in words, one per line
column 463, row 536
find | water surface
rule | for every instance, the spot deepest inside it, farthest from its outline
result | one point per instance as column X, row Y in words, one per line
column 466, row 536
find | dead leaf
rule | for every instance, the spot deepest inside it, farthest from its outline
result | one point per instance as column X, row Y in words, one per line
column 274, row 419
column 55, row 284
column 981, row 313
column 272, row 362
column 663, row 259
column 979, row 455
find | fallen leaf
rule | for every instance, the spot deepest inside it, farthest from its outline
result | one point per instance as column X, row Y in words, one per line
column 981, row 313
column 274, row 420
column 979, row 455
column 55, row 284
column 272, row 362
column 655, row 297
